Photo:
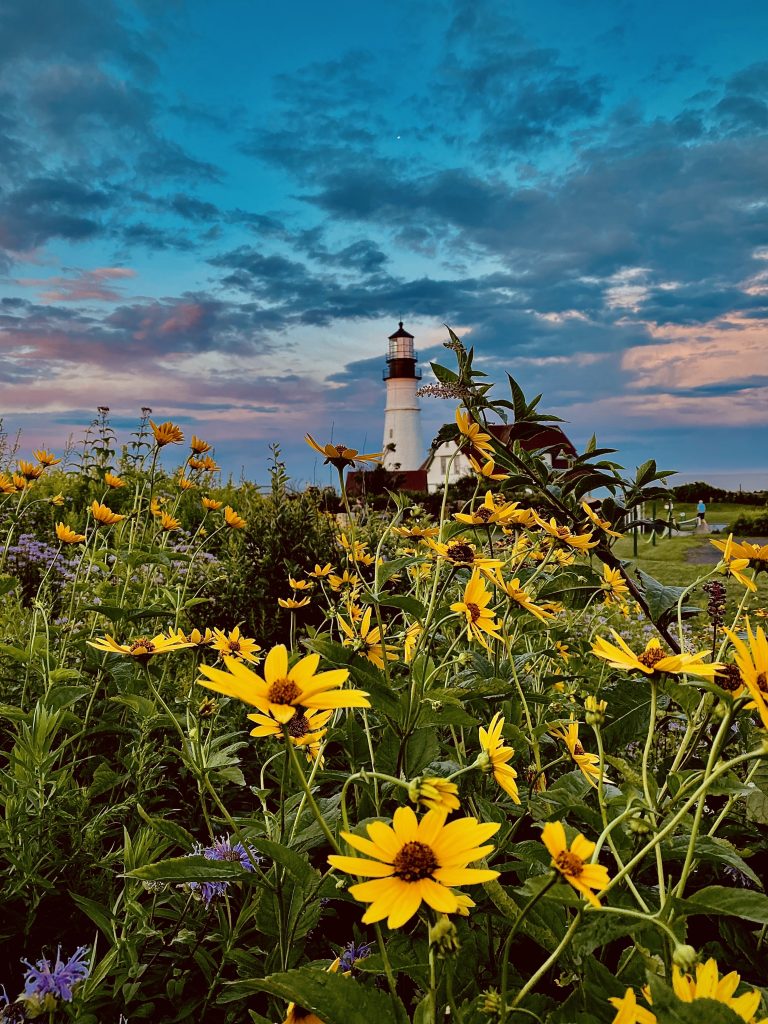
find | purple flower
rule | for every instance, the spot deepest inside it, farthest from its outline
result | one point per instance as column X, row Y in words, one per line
column 44, row 983
column 220, row 849
column 352, row 953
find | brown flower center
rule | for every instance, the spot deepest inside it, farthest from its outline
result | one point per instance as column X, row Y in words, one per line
column 562, row 532
column 298, row 726
column 484, row 514
column 233, row 645
column 142, row 646
column 414, row 862
column 578, row 749
column 762, row 683
column 651, row 657
column 340, row 448
column 460, row 553
column 569, row 864
column 729, row 678
column 474, row 611
column 283, row 691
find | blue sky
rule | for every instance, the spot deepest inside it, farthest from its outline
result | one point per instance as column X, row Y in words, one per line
column 221, row 211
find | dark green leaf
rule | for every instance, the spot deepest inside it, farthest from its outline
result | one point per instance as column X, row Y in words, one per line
column 333, row 998
column 191, row 869
column 721, row 900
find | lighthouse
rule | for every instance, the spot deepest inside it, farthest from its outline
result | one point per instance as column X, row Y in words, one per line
column 402, row 445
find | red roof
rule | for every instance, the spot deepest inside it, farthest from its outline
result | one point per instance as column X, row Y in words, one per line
column 359, row 482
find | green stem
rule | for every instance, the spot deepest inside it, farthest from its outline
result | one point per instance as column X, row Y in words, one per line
column 508, row 943
column 299, row 773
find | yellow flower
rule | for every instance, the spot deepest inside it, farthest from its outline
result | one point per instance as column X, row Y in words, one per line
column 414, row 861
column 473, row 433
column 141, row 648
column 168, row 522
column 321, row 570
column 488, row 469
column 45, row 458
column 306, row 729
column 300, row 584
column 522, row 597
column 154, row 506
column 709, row 985
column 410, row 638
column 460, row 552
column 434, row 794
column 104, row 515
column 234, row 645
column 232, row 519
column 614, row 585
column 339, row 455
column 57, row 500
column 628, row 1010
column 347, row 579
column 113, row 481
column 21, row 483
column 495, row 755
column 195, row 638
column 417, row 532
column 29, row 470
column 199, row 447
column 292, row 603
column 211, row 504
column 733, row 566
column 757, row 553
column 474, row 608
column 563, row 557
column 166, row 433
column 601, row 524
column 563, row 650
column 492, row 512
column 7, row 486
column 653, row 660
column 185, row 484
column 588, row 763
column 572, row 862
column 282, row 691
column 580, row 541
column 752, row 662
column 67, row 535
column 367, row 641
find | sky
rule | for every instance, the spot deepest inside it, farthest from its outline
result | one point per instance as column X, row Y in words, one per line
column 221, row 211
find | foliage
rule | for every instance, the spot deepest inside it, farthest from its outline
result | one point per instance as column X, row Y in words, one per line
column 547, row 819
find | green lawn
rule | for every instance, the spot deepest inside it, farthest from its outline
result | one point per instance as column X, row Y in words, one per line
column 680, row 560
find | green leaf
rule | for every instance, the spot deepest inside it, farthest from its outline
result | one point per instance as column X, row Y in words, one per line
column 671, row 1010
column 7, row 585
column 169, row 829
column 101, row 916
column 389, row 569
column 191, row 869
column 444, row 375
column 719, row 900
column 333, row 998
column 662, row 600
column 294, row 863
column 408, row 604
column 709, row 848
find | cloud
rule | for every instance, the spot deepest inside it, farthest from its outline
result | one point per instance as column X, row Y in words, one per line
column 86, row 285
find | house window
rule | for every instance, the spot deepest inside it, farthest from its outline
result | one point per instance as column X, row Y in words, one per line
column 444, row 459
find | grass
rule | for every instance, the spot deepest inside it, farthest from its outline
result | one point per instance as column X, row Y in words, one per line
column 680, row 560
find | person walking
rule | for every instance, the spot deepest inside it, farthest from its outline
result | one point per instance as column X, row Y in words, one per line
column 701, row 511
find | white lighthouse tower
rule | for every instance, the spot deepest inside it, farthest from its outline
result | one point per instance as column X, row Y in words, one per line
column 402, row 445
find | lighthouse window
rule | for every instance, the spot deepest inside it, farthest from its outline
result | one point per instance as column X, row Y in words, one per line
column 391, row 433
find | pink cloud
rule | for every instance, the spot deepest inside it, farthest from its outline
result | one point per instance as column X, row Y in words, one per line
column 732, row 348
column 86, row 285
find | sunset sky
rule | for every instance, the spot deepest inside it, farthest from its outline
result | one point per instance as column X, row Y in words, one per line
column 221, row 210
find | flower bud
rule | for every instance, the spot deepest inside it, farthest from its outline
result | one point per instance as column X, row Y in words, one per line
column 685, row 957
column 595, row 710
column 444, row 937
column 639, row 825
